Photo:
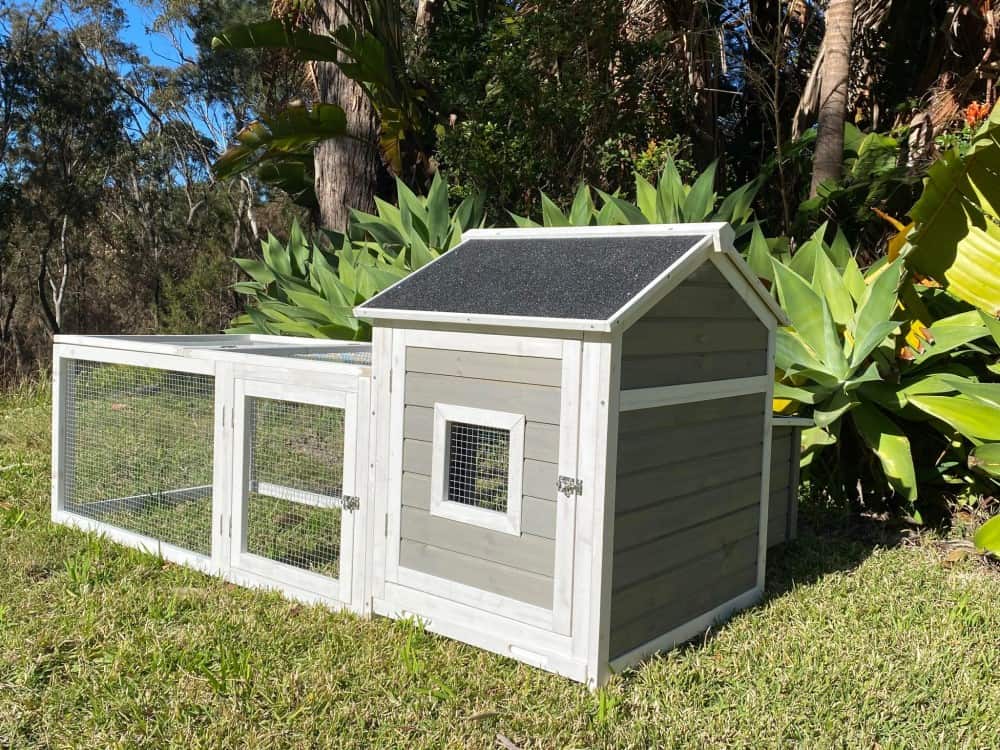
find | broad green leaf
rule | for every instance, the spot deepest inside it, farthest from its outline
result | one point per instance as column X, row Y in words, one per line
column 986, row 458
column 759, row 255
column 956, row 237
column 700, row 200
column 871, row 340
column 523, row 221
column 877, row 305
column 952, row 332
column 828, row 282
column 646, row 199
column 298, row 248
column 438, row 219
column 736, row 207
column 993, row 325
column 552, row 216
column 854, row 281
column 583, row 207
column 988, row 536
column 833, row 409
column 276, row 256
column 811, row 319
column 969, row 416
column 670, row 193
column 255, row 270
column 891, row 445
column 791, row 353
column 803, row 262
column 292, row 133
column 988, row 393
column 275, row 34
column 629, row 213
column 811, row 394
column 840, row 251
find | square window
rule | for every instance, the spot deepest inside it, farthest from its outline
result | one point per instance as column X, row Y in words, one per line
column 477, row 467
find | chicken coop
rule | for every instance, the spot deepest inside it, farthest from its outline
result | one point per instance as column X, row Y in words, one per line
column 558, row 446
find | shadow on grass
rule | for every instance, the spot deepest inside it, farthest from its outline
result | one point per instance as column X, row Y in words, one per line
column 828, row 542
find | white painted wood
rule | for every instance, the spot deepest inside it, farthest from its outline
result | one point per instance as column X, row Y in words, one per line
column 60, row 384
column 487, row 343
column 779, row 421
column 501, row 635
column 222, row 462
column 363, row 535
column 566, row 505
column 379, row 315
column 669, row 395
column 599, row 430
column 138, row 541
column 470, row 596
column 380, row 454
column 441, row 504
column 397, row 386
column 688, row 630
column 178, row 363
column 339, row 589
column 765, row 476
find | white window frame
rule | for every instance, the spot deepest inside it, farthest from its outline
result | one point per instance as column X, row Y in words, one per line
column 508, row 522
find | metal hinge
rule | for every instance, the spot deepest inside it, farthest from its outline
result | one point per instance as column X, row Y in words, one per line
column 350, row 502
column 569, row 486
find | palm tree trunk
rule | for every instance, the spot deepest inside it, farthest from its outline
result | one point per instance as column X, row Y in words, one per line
column 829, row 157
column 349, row 171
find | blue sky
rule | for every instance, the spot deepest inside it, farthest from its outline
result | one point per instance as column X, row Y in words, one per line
column 156, row 46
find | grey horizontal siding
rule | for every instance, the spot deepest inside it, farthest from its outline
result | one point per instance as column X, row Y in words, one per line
column 486, row 575
column 679, row 415
column 538, row 516
column 687, row 513
column 691, row 599
column 702, row 331
column 506, row 367
column 783, row 509
column 677, row 369
column 520, row 567
column 652, row 486
column 538, row 403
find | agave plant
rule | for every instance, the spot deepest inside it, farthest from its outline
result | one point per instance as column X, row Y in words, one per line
column 303, row 289
column 670, row 201
column 846, row 360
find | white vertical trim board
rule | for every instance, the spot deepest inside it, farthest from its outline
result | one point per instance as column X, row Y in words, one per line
column 380, row 454
column 59, row 385
column 567, row 505
column 765, row 474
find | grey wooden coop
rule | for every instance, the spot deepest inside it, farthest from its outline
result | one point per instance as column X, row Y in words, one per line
column 557, row 446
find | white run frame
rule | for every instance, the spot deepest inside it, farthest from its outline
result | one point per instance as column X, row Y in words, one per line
column 242, row 367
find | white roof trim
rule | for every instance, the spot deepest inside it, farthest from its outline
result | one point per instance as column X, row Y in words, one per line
column 718, row 234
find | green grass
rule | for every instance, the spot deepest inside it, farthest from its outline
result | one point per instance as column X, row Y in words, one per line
column 860, row 644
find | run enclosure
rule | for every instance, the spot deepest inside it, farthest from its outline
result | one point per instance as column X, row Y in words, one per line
column 561, row 450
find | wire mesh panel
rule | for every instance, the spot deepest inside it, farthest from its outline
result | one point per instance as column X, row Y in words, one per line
column 296, row 465
column 138, row 443
column 478, row 465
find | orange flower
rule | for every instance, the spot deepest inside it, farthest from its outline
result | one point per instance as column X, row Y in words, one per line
column 975, row 112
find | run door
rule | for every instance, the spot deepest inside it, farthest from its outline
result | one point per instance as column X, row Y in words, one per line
column 295, row 501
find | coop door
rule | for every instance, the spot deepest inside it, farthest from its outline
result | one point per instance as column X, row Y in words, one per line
column 294, row 464
column 483, row 429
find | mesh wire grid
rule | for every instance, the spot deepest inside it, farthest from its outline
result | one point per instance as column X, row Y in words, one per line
column 478, row 464
column 138, row 446
column 296, row 484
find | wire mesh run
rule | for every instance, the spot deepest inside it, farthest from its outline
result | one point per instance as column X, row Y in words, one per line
column 296, row 484
column 359, row 357
column 138, row 447
column 478, row 465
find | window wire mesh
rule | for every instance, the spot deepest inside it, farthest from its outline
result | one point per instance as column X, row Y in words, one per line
column 478, row 465
column 359, row 357
column 296, row 484
column 138, row 447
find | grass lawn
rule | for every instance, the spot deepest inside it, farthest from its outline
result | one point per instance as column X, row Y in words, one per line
column 860, row 644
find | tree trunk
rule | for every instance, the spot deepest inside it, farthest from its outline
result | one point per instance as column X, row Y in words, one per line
column 349, row 171
column 829, row 158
